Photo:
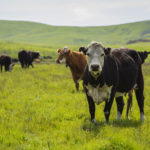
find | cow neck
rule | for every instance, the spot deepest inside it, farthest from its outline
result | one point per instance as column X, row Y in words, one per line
column 96, row 80
column 70, row 62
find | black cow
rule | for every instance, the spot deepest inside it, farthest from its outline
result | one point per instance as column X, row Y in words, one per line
column 111, row 74
column 6, row 61
column 26, row 58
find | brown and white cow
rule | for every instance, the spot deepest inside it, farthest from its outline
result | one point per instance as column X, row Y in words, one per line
column 76, row 61
column 6, row 61
column 111, row 74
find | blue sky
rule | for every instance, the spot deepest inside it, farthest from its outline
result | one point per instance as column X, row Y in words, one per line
column 76, row 12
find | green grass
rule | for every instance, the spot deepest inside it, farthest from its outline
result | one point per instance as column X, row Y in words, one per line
column 41, row 110
column 12, row 48
column 41, row 34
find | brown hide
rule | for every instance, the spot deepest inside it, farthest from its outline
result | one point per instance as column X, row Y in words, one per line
column 76, row 62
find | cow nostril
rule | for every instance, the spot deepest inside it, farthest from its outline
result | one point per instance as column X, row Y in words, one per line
column 95, row 67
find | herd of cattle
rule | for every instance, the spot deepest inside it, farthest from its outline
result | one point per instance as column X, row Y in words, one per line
column 25, row 57
column 107, row 74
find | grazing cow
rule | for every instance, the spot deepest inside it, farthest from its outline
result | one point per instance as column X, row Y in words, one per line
column 76, row 62
column 6, row 61
column 111, row 74
column 26, row 58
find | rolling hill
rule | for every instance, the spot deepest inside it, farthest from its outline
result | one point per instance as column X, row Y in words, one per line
column 42, row 34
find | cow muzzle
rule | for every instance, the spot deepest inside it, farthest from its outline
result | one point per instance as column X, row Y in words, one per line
column 57, row 61
column 95, row 70
column 95, row 67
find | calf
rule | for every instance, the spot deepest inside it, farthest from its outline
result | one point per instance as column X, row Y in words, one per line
column 26, row 58
column 111, row 74
column 76, row 62
column 6, row 61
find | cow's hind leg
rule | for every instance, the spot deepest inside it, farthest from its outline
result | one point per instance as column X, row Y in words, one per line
column 140, row 96
column 120, row 105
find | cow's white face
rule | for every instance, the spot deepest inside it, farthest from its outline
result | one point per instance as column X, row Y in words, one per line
column 11, row 67
column 62, row 55
column 95, row 54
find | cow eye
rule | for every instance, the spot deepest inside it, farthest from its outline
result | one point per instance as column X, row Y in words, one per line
column 102, row 54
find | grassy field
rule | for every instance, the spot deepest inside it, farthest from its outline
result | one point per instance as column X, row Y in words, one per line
column 41, row 110
column 41, row 34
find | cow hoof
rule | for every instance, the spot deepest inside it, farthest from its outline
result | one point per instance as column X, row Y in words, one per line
column 118, row 116
column 142, row 117
column 93, row 120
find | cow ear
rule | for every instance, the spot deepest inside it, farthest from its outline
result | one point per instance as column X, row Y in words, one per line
column 107, row 50
column 58, row 50
column 86, row 49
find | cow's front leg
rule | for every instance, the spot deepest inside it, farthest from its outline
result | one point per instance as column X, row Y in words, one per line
column 108, row 104
column 32, row 65
column 91, row 108
column 77, row 85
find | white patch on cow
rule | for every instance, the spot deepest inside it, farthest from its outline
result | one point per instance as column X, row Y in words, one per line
column 118, row 116
column 142, row 117
column 93, row 120
column 135, row 86
column 11, row 67
column 62, row 60
column 99, row 94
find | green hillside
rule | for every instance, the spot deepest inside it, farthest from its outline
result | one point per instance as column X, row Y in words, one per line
column 36, row 33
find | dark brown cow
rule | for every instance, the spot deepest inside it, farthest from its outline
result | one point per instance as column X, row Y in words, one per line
column 6, row 61
column 76, row 62
column 26, row 58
